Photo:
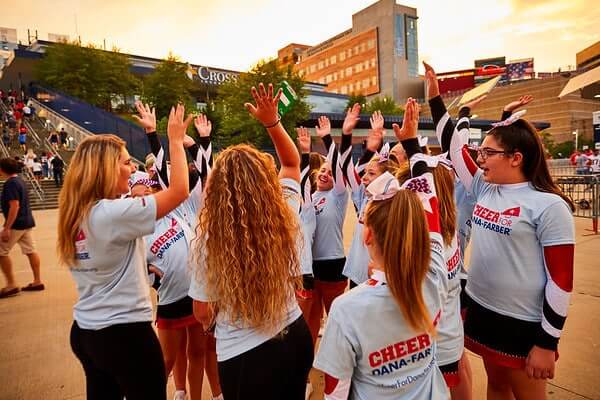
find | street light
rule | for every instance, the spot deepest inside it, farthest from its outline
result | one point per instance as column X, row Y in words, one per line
column 576, row 133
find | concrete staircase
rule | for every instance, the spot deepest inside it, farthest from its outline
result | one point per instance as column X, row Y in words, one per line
column 51, row 192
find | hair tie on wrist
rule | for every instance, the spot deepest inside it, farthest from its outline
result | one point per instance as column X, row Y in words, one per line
column 274, row 125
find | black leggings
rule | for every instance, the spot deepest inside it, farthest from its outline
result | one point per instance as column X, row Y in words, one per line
column 121, row 360
column 277, row 369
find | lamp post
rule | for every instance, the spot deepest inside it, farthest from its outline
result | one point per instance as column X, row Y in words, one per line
column 576, row 133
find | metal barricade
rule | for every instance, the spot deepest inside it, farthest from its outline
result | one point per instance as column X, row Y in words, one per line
column 584, row 191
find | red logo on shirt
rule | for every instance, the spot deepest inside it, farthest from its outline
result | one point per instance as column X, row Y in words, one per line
column 399, row 349
column 513, row 212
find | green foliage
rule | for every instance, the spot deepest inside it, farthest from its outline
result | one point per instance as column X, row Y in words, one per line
column 356, row 98
column 236, row 124
column 563, row 149
column 168, row 85
column 85, row 72
column 386, row 105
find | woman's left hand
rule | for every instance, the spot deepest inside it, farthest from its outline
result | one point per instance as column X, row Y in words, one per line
column 265, row 109
column 540, row 363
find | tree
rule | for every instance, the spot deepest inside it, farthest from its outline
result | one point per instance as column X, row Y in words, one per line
column 386, row 105
column 168, row 85
column 90, row 74
column 356, row 98
column 237, row 126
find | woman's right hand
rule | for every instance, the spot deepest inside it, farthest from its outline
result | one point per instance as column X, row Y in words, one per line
column 410, row 122
column 433, row 88
column 303, row 139
column 147, row 116
column 177, row 126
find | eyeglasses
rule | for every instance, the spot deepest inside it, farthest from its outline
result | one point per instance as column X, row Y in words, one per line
column 485, row 152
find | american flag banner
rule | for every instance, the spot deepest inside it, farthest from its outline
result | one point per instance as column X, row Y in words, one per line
column 520, row 69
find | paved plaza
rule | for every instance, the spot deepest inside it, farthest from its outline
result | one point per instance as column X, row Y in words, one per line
column 36, row 361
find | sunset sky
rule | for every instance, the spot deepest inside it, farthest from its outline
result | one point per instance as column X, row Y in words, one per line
column 234, row 34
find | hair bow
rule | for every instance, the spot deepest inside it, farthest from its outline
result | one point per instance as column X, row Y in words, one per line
column 384, row 187
column 384, row 153
column 432, row 161
column 422, row 140
column 510, row 120
column 144, row 181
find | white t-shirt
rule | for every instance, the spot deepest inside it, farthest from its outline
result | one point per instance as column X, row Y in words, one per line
column 450, row 328
column 368, row 340
column 330, row 209
column 511, row 226
column 37, row 167
column 357, row 262
column 111, row 274
column 595, row 164
column 168, row 249
column 234, row 339
column 308, row 225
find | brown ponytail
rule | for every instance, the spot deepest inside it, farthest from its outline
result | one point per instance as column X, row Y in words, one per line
column 444, row 186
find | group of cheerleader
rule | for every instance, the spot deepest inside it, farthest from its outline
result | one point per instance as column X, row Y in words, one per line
column 248, row 261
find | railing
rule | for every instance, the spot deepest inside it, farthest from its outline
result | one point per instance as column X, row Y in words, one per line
column 584, row 191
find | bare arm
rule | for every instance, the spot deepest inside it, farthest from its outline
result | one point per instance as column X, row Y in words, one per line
column 178, row 189
column 265, row 111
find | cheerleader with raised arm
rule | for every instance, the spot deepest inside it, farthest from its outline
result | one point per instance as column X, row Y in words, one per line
column 330, row 201
column 247, row 265
column 379, row 339
column 521, row 269
column 100, row 238
column 370, row 166
column 168, row 250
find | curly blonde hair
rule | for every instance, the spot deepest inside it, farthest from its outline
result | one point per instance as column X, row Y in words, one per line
column 250, row 239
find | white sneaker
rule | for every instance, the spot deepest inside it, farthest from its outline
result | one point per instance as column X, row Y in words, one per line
column 309, row 390
column 180, row 395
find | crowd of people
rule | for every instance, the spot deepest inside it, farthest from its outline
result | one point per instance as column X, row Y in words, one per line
column 247, row 260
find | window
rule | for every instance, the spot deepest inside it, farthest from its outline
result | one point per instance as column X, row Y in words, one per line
column 363, row 46
column 344, row 89
column 365, row 82
column 348, row 71
column 342, row 74
column 335, row 76
column 412, row 46
column 366, row 64
column 373, row 80
column 373, row 62
column 356, row 50
column 333, row 60
column 320, row 65
column 313, row 68
column 342, row 56
column 322, row 80
column 399, row 36
column 351, row 88
column 349, row 53
column 327, row 62
column 328, row 78
column 371, row 44
column 357, row 85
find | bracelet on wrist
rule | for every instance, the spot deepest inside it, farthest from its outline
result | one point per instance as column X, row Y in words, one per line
column 274, row 125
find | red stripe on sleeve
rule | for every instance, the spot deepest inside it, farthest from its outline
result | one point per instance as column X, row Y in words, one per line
column 330, row 383
column 559, row 261
column 470, row 164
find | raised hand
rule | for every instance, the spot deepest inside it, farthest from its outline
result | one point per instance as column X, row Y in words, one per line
column 303, row 139
column 433, row 88
column 188, row 141
column 324, row 127
column 352, row 117
column 374, row 140
column 265, row 110
column 514, row 105
column 377, row 121
column 410, row 122
column 203, row 125
column 177, row 126
column 147, row 116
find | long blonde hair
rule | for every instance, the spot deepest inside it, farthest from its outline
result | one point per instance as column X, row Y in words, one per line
column 249, row 239
column 406, row 252
column 444, row 187
column 92, row 176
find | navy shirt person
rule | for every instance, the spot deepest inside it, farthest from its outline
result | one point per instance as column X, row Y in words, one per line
column 18, row 224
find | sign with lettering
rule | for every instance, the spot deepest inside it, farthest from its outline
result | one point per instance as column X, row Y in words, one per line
column 215, row 76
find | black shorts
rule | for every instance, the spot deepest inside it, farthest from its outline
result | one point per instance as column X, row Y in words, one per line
column 450, row 372
column 180, row 308
column 498, row 338
column 329, row 270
